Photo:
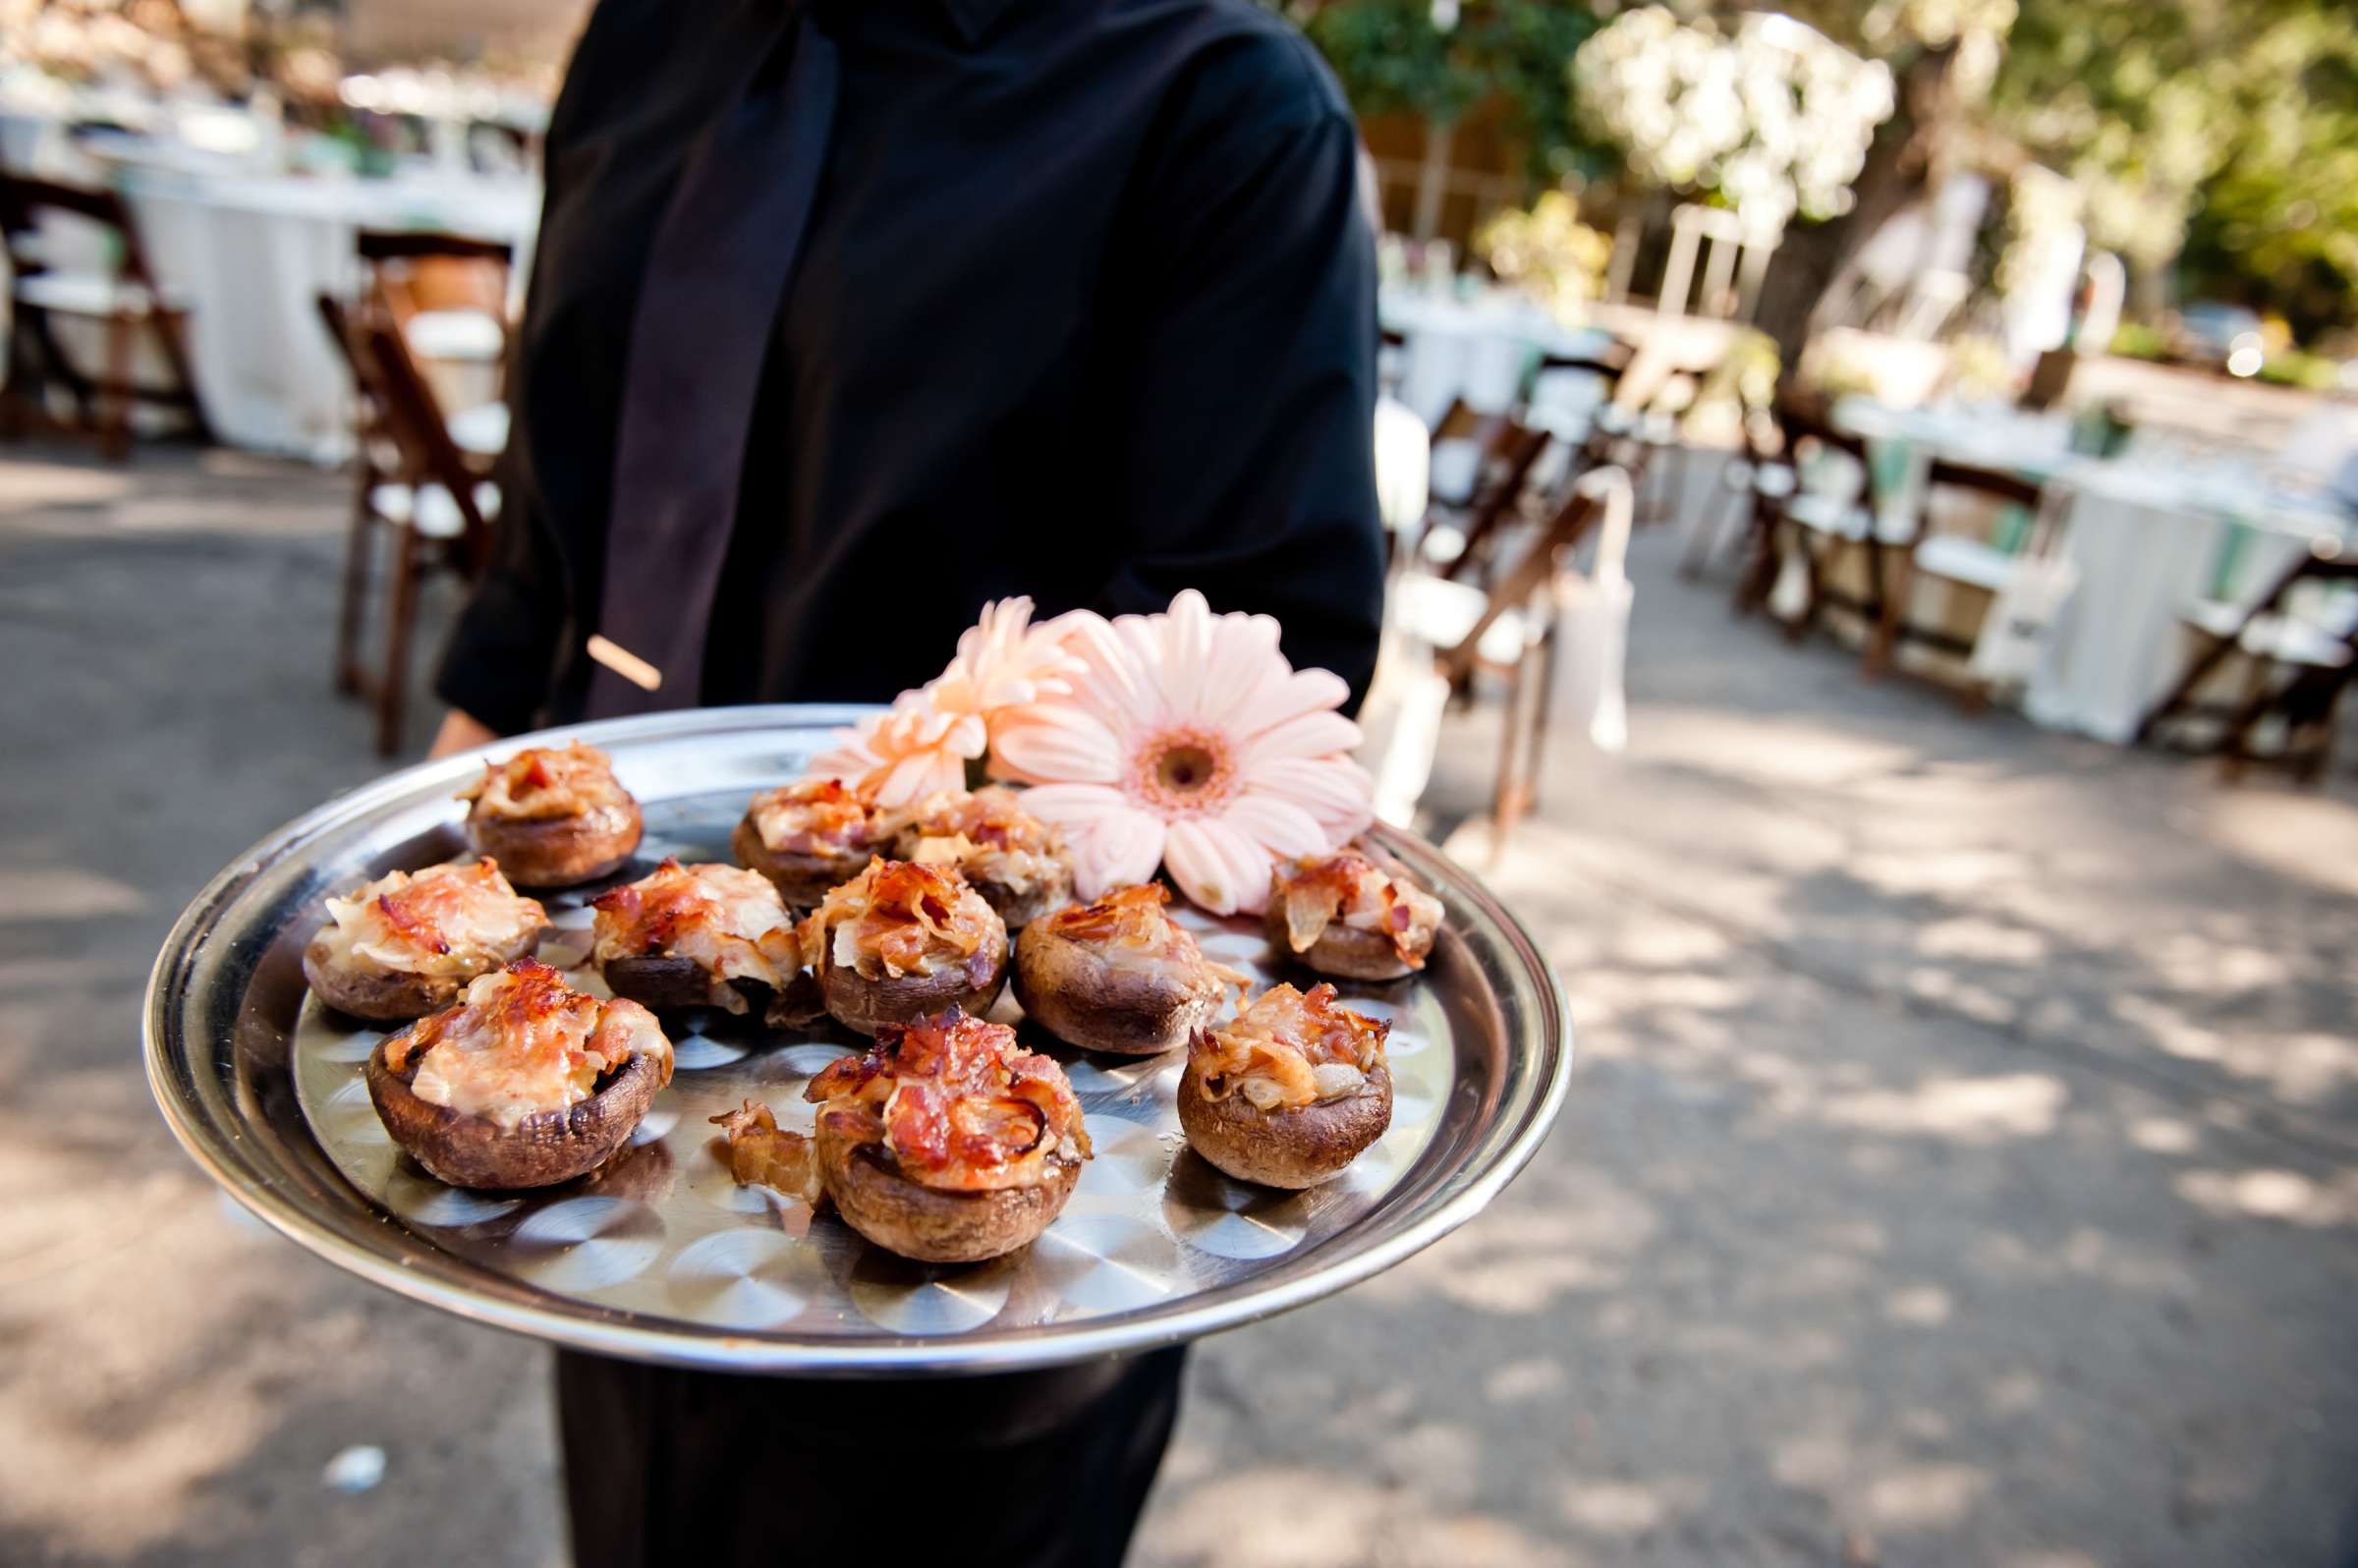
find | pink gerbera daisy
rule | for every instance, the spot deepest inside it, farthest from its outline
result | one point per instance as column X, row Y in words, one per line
column 923, row 742
column 1185, row 739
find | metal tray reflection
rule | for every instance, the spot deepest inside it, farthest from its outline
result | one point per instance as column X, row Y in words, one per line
column 661, row 1256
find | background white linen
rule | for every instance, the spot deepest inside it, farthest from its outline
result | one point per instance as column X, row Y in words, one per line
column 249, row 255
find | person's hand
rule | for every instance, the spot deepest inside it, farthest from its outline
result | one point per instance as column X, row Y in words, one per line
column 460, row 732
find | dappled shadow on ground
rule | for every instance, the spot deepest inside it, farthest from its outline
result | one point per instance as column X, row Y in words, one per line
column 1962, row 1167
column 1959, row 1167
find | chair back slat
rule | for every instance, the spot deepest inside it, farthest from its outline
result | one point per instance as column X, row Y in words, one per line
column 1994, row 483
column 405, row 245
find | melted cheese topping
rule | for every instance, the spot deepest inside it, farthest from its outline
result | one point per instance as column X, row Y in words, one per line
column 521, row 1043
column 957, row 1103
column 988, row 835
column 1129, row 929
column 1290, row 1050
column 897, row 919
column 1317, row 890
column 729, row 920
column 822, row 817
column 541, row 783
column 445, row 920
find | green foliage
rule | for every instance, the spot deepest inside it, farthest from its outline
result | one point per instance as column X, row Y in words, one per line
column 1392, row 59
column 2136, row 340
column 2293, row 368
column 2224, row 132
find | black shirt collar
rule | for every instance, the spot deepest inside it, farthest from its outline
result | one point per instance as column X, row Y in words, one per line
column 974, row 17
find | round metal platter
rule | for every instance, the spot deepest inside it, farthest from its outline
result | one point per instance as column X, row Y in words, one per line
column 661, row 1257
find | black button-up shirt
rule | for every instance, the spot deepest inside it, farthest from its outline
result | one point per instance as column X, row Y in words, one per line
column 1087, row 310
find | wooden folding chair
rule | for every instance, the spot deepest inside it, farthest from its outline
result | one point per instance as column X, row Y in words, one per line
column 448, row 293
column 1820, row 524
column 1971, row 560
column 1514, row 631
column 1509, row 456
column 415, row 484
column 129, row 301
column 2297, row 672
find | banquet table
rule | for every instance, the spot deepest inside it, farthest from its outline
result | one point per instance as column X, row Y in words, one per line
column 1479, row 350
column 2147, row 537
column 247, row 254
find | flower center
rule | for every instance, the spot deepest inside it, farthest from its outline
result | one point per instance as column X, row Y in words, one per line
column 1181, row 772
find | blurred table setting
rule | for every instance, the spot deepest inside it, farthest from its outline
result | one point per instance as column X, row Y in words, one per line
column 2169, row 531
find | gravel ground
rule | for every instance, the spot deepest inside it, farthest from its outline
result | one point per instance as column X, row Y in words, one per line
column 1962, row 1166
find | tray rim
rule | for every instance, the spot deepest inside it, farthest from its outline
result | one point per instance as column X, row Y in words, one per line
column 214, row 1148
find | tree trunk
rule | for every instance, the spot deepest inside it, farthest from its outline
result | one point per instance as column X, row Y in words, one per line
column 1902, row 163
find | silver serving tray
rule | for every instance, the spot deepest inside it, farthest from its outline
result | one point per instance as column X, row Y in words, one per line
column 661, row 1257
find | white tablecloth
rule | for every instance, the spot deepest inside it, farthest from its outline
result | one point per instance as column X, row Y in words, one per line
column 1477, row 351
column 248, row 257
column 2146, row 538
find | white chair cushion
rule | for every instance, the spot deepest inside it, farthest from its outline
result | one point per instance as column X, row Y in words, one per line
column 483, row 429
column 461, row 336
column 85, row 294
column 1456, row 467
column 1961, row 558
column 1829, row 514
column 2271, row 637
column 429, row 508
column 1441, row 613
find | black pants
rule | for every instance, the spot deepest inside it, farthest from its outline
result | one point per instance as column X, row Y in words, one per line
column 1032, row 1470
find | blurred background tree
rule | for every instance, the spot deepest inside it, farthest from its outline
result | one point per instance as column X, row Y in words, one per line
column 2214, row 142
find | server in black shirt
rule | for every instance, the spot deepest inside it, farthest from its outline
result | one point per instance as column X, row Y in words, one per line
column 1080, row 304
column 848, row 316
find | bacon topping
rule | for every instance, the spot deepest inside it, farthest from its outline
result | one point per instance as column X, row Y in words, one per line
column 1290, row 1048
column 523, row 1042
column 1128, row 917
column 1317, row 890
column 956, row 1103
column 761, row 1151
column 729, row 920
column 815, row 816
column 986, row 834
column 442, row 921
column 540, row 783
column 897, row 917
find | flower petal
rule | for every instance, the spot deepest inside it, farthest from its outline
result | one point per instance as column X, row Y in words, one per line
column 1114, row 849
column 1301, row 692
column 1279, row 825
column 1074, row 806
column 1244, row 668
column 1336, row 790
column 1056, row 743
column 1322, row 732
column 1216, row 867
column 1185, row 635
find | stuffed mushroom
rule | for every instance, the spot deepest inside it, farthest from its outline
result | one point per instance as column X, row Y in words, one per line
column 1346, row 914
column 808, row 837
column 405, row 944
column 947, row 1141
column 701, row 937
column 1015, row 861
column 1117, row 975
column 901, row 941
column 525, row 1083
column 1289, row 1092
column 554, row 817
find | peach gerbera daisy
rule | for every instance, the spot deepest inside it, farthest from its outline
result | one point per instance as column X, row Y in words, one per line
column 925, row 741
column 1185, row 739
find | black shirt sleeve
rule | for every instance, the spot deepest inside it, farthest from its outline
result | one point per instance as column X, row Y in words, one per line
column 500, row 662
column 1246, row 457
